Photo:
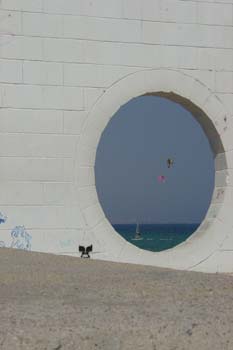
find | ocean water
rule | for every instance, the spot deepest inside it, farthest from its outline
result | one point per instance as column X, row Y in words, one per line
column 157, row 237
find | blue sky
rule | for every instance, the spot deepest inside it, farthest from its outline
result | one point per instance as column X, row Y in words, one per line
column 132, row 153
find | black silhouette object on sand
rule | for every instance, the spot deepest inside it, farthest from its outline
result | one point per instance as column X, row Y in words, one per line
column 85, row 251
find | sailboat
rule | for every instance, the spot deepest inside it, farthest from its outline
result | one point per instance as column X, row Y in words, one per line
column 138, row 235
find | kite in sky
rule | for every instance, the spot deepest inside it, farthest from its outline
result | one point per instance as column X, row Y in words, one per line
column 161, row 178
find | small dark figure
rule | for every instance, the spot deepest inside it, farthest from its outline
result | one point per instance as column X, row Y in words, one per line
column 85, row 251
column 170, row 162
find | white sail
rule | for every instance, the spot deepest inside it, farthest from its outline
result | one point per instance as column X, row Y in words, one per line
column 138, row 235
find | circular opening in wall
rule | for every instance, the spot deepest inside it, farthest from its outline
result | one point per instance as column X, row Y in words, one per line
column 154, row 172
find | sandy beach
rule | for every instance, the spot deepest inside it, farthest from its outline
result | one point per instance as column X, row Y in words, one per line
column 57, row 302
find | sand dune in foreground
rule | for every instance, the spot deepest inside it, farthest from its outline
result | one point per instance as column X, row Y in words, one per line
column 57, row 302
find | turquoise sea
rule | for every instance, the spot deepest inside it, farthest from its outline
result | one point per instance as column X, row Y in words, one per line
column 156, row 237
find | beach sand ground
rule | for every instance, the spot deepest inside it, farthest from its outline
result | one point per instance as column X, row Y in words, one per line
column 57, row 302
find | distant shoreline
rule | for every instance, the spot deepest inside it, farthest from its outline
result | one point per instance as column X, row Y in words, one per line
column 156, row 237
column 158, row 223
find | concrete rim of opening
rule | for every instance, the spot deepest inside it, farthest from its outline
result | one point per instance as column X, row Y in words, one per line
column 212, row 115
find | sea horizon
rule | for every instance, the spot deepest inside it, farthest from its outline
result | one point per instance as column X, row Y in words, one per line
column 156, row 237
column 154, row 223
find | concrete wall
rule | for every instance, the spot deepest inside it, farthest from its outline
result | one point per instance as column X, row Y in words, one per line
column 66, row 66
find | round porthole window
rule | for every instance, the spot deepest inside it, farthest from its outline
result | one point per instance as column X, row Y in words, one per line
column 154, row 173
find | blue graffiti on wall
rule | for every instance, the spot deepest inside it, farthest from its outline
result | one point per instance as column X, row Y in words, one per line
column 3, row 218
column 21, row 239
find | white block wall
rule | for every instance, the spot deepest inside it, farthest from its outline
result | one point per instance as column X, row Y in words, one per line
column 66, row 66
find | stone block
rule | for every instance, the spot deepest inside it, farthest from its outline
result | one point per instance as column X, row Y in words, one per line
column 34, row 169
column 213, row 211
column 224, row 82
column 23, row 5
column 68, row 98
column 215, row 13
column 104, row 29
column 21, row 47
column 47, row 145
column 178, row 11
column 219, row 59
column 43, row 97
column 120, row 54
column 177, row 57
column 63, row 50
column 91, row 75
column 182, row 34
column 228, row 244
column 228, row 195
column 223, row 59
column 94, row 215
column 216, row 36
column 68, row 169
column 10, row 22
column 229, row 158
column 30, row 193
column 87, row 197
column 227, row 140
column 207, row 58
column 74, row 121
column 86, row 155
column 224, row 214
column 57, row 193
column 86, row 177
column 103, row 8
column 150, row 10
column 206, row 77
column 70, row 7
column 23, row 96
column 132, row 9
column 216, row 111
column 228, row 103
column 10, row 71
column 91, row 96
column 31, row 121
column 220, row 162
column 43, row 217
column 42, row 73
column 221, row 178
column 41, row 24
column 219, row 195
